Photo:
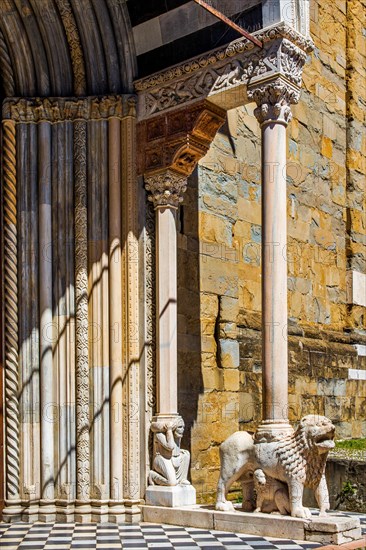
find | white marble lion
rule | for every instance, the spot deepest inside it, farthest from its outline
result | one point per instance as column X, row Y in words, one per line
column 298, row 460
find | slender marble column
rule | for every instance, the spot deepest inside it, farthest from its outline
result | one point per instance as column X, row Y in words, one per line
column 168, row 484
column 82, row 509
column 131, row 342
column 166, row 190
column 274, row 113
column 115, row 317
column 12, row 490
column 45, row 305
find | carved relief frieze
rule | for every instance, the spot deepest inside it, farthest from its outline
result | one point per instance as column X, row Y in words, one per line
column 57, row 109
column 240, row 63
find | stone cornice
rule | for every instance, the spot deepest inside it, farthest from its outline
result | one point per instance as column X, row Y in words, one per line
column 57, row 109
column 224, row 69
column 280, row 30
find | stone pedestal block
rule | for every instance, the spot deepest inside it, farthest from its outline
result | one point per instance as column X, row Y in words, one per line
column 331, row 529
column 181, row 495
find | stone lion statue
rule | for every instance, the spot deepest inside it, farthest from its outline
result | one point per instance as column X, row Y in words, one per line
column 298, row 459
column 271, row 494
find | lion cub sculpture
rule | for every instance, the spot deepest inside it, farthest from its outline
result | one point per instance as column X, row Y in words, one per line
column 271, row 494
column 298, row 460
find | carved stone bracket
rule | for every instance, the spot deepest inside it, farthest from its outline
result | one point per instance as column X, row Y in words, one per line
column 178, row 140
column 223, row 70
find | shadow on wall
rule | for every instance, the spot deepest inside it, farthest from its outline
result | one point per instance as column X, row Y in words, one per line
column 190, row 383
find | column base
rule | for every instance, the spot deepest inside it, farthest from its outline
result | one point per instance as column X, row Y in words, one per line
column 273, row 430
column 171, row 497
column 117, row 511
column 166, row 418
column 12, row 512
column 47, row 511
column 82, row 512
column 100, row 511
column 133, row 511
column 79, row 511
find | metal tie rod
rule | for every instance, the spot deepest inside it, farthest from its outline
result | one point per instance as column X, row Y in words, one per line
column 228, row 21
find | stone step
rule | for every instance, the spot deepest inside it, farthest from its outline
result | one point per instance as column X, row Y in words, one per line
column 332, row 529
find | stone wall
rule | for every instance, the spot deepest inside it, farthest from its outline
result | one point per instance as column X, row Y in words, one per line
column 219, row 256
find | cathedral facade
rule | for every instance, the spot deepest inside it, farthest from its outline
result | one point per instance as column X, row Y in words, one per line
column 159, row 174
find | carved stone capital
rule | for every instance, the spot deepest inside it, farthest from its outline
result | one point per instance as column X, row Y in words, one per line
column 274, row 100
column 166, row 189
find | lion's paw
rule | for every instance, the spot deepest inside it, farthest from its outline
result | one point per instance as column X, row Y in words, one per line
column 226, row 506
column 302, row 512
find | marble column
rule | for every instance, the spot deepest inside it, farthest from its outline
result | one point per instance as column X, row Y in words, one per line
column 115, row 320
column 12, row 510
column 166, row 486
column 273, row 113
column 47, row 502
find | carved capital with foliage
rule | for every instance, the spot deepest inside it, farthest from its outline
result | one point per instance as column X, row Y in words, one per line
column 166, row 189
column 274, row 100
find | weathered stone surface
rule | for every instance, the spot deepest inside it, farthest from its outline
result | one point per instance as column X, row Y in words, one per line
column 326, row 236
column 330, row 530
column 171, row 497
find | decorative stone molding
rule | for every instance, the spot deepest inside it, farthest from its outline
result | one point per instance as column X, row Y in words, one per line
column 221, row 70
column 166, row 188
column 7, row 72
column 73, row 39
column 178, row 140
column 11, row 315
column 60, row 109
column 274, row 100
column 81, row 315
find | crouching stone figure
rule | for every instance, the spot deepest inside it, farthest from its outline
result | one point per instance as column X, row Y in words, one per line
column 170, row 463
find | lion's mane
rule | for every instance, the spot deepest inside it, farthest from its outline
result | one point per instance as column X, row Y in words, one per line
column 300, row 458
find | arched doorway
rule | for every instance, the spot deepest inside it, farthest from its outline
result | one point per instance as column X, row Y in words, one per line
column 70, row 228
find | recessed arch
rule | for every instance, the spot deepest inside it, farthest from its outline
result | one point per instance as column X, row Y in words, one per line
column 64, row 48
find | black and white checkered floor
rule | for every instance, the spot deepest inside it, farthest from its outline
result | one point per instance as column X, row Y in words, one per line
column 41, row 536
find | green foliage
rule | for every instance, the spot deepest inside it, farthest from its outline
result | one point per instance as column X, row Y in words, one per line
column 352, row 444
column 348, row 492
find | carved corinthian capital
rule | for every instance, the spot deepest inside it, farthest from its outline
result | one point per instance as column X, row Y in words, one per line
column 166, row 188
column 274, row 100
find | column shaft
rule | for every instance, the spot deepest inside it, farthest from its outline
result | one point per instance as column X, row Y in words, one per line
column 115, row 308
column 12, row 491
column 82, row 321
column 46, row 316
column 273, row 112
column 274, row 273
column 166, row 261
